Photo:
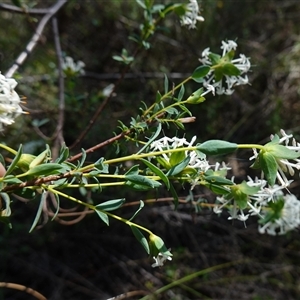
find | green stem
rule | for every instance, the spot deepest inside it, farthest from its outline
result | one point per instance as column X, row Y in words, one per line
column 92, row 207
column 250, row 146
column 165, row 96
column 192, row 276
column 8, row 149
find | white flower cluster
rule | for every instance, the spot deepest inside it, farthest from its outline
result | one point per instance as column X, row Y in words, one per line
column 197, row 160
column 242, row 64
column 284, row 165
column 191, row 16
column 69, row 66
column 289, row 216
column 167, row 143
column 279, row 213
column 9, row 101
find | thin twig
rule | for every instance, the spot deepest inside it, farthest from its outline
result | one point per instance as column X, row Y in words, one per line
column 24, row 10
column 59, row 139
column 23, row 288
column 35, row 38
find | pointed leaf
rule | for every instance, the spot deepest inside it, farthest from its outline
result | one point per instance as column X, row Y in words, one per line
column 39, row 159
column 280, row 151
column 200, row 72
column 44, row 169
column 157, row 172
column 63, row 154
column 101, row 166
column 166, row 84
column 217, row 147
column 176, row 158
column 181, row 93
column 134, row 170
column 140, row 237
column 142, row 180
column 103, row 216
column 83, row 158
column 153, row 137
column 179, row 167
column 217, row 180
column 139, row 209
column 231, row 70
column 14, row 162
column 7, row 211
column 39, row 212
column 111, row 204
column 269, row 166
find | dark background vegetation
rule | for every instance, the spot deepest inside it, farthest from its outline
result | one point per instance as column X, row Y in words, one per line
column 91, row 261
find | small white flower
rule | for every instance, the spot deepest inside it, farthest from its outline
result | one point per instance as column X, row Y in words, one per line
column 160, row 260
column 289, row 217
column 191, row 16
column 108, row 90
column 69, row 66
column 225, row 86
column 9, row 101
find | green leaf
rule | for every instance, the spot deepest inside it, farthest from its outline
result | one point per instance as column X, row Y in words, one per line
column 215, row 58
column 229, row 55
column 171, row 110
column 57, row 206
column 181, row 93
column 39, row 159
column 164, row 163
column 241, row 199
column 140, row 237
column 143, row 181
column 217, row 180
column 280, row 151
column 158, row 97
column 231, row 70
column 216, row 147
column 14, row 162
column 139, row 209
column 141, row 3
column 134, row 170
column 217, row 189
column 39, row 212
column 63, row 154
column 179, row 167
column 176, row 158
column 196, row 97
column 166, row 84
column 218, row 74
column 101, row 166
column 12, row 179
column 7, row 211
column 269, row 166
column 111, row 204
column 248, row 190
column 153, row 137
column 44, row 169
column 200, row 72
column 83, row 158
column 157, row 245
column 275, row 140
column 157, row 172
column 103, row 216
